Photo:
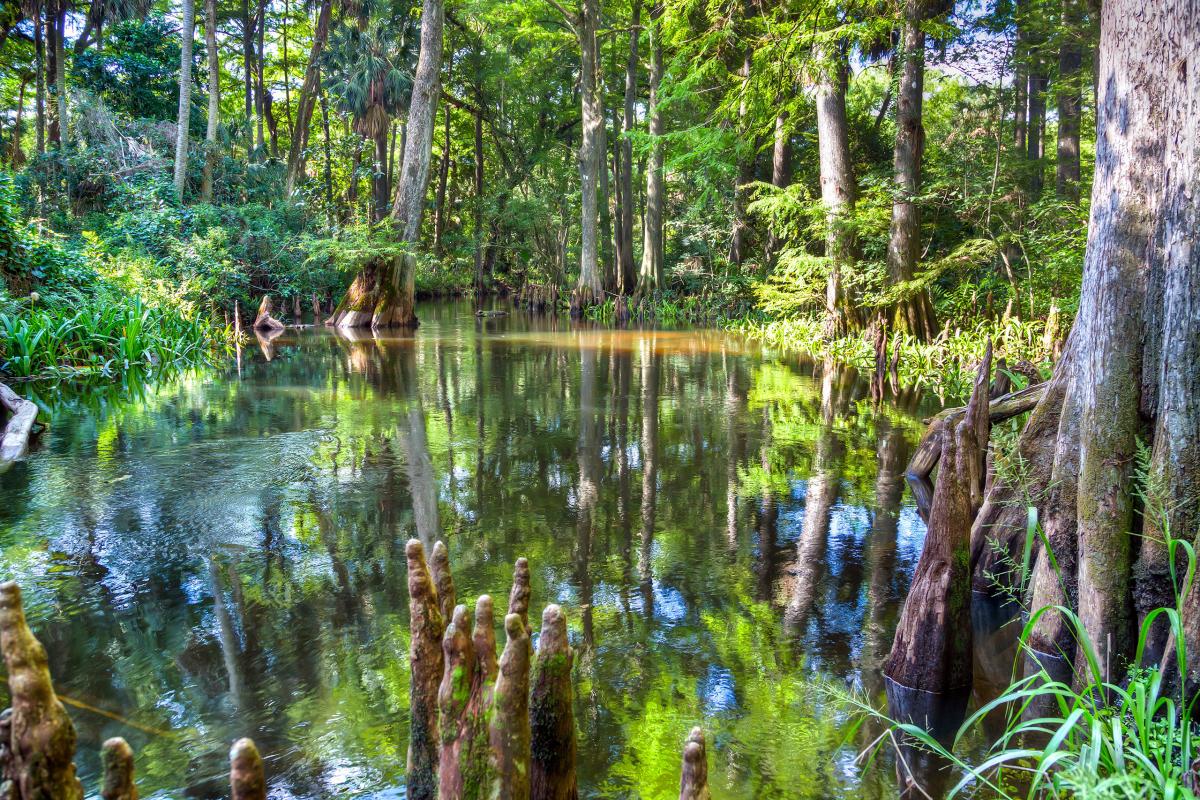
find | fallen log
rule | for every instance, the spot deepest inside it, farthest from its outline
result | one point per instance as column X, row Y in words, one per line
column 14, row 440
column 932, row 649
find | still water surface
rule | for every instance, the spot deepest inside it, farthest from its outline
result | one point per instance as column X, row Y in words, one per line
column 728, row 530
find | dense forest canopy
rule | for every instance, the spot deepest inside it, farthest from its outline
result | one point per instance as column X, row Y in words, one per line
column 923, row 165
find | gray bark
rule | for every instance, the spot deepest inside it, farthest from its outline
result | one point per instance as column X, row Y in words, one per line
column 589, row 287
column 409, row 204
column 838, row 190
column 650, row 275
column 185, row 96
column 214, row 98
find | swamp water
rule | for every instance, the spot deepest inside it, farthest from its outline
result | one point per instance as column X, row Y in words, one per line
column 223, row 555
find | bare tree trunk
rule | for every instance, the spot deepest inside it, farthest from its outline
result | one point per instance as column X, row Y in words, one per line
column 1070, row 61
column 839, row 191
column 589, row 289
column 248, row 71
column 781, row 176
column 379, row 177
column 260, row 107
column 62, row 131
column 1036, row 149
column 478, row 191
column 187, row 33
column 651, row 273
column 745, row 172
column 439, row 205
column 627, row 279
column 214, row 99
column 328, row 158
column 308, row 99
column 39, row 50
column 913, row 314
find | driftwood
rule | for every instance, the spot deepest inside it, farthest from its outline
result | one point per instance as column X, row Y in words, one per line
column 39, row 761
column 693, row 782
column 551, row 716
column 246, row 778
column 14, row 437
column 116, row 763
column 264, row 321
column 932, row 649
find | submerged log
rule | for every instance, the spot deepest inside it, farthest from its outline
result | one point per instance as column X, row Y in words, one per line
column 932, row 647
column 116, row 764
column 508, row 732
column 14, row 436
column 425, row 662
column 693, row 783
column 551, row 715
column 246, row 778
column 41, row 739
column 264, row 321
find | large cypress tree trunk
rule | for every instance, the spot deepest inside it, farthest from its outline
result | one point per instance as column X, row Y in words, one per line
column 838, row 191
column 185, row 97
column 308, row 99
column 913, row 314
column 650, row 275
column 383, row 294
column 627, row 272
column 248, row 70
column 589, row 290
column 214, row 99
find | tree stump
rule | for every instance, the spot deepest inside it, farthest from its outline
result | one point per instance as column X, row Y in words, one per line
column 41, row 739
column 264, row 321
column 116, row 762
column 246, row 778
column 933, row 643
column 693, row 783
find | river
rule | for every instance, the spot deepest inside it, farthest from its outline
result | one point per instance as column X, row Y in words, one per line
column 223, row 554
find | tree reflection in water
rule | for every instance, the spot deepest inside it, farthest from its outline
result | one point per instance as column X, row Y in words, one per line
column 215, row 557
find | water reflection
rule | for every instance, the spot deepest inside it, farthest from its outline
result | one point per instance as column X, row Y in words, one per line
column 223, row 556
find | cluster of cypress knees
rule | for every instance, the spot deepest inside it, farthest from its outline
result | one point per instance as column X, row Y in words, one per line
column 481, row 727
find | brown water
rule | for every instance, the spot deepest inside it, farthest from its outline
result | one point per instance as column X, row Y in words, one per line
column 223, row 554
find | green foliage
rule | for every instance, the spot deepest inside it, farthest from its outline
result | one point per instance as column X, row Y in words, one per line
column 136, row 73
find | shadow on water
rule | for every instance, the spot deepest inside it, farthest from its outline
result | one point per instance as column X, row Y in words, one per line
column 222, row 553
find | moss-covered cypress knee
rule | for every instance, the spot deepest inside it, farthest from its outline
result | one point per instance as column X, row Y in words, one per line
column 42, row 738
column 116, row 763
column 443, row 580
column 693, row 783
column 246, row 778
column 508, row 733
column 551, row 713
column 518, row 598
column 425, row 663
column 455, row 691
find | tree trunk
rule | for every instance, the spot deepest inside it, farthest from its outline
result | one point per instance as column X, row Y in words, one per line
column 248, row 71
column 308, row 99
column 39, row 51
column 1070, row 61
column 379, row 177
column 651, row 274
column 1035, row 151
column 913, row 314
column 478, row 191
column 781, row 176
column 439, row 205
column 589, row 290
column 839, row 192
column 214, row 99
column 328, row 158
column 187, row 33
column 627, row 278
column 61, row 133
column 745, row 170
column 260, row 107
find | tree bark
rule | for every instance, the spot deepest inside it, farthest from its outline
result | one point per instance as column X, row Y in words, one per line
column 913, row 314
column 1036, row 147
column 39, row 54
column 439, row 204
column 650, row 275
column 214, row 99
column 627, row 272
column 187, row 34
column 589, row 289
column 839, row 191
column 1069, row 102
column 248, row 73
column 260, row 106
column 745, row 170
column 308, row 99
column 62, row 132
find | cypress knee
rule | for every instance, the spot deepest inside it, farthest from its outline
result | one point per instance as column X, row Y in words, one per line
column 116, row 763
column 443, row 580
column 932, row 648
column 518, row 598
column 693, row 784
column 453, row 696
column 425, row 662
column 508, row 733
column 42, row 738
column 552, row 720
column 246, row 778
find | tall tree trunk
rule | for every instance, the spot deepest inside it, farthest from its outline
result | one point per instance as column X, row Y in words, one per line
column 383, row 294
column 477, row 183
column 607, row 261
column 248, row 71
column 308, row 99
column 781, row 176
column 60, row 133
column 260, row 60
column 379, row 177
column 1070, row 61
column 745, row 170
column 589, row 289
column 651, row 273
column 187, row 34
column 39, row 54
column 1035, row 151
column 15, row 144
column 328, row 157
column 627, row 280
column 439, row 204
column 839, row 191
column 214, row 99
column 287, row 78
column 913, row 314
